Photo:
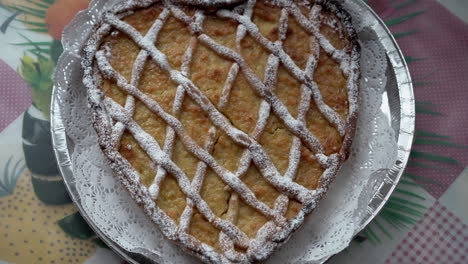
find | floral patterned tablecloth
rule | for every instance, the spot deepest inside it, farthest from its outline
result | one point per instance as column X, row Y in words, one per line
column 425, row 221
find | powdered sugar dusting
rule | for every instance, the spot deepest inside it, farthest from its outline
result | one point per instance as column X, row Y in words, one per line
column 136, row 73
column 260, row 157
column 278, row 229
column 170, row 134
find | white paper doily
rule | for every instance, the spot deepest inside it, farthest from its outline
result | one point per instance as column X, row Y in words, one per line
column 328, row 230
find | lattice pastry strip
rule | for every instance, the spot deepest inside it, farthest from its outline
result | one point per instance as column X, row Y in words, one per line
column 260, row 157
column 278, row 228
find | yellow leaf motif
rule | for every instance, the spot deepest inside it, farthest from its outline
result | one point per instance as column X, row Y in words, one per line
column 29, row 230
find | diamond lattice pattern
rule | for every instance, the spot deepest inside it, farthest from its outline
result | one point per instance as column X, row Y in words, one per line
column 230, row 118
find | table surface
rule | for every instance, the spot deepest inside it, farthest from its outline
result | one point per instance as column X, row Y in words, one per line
column 425, row 221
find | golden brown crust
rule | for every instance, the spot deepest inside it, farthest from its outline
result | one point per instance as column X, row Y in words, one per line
column 209, row 71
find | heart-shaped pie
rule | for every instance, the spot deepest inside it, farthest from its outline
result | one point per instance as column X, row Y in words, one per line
column 225, row 120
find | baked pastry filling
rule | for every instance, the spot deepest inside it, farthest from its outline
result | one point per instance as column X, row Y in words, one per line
column 226, row 123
